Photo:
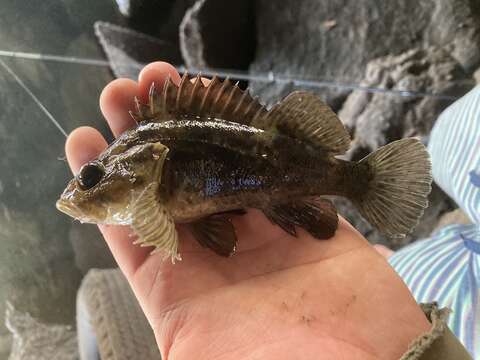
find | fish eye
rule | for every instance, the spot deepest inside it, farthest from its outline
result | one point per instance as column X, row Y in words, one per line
column 90, row 175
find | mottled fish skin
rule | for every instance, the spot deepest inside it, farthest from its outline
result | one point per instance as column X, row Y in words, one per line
column 201, row 153
column 216, row 166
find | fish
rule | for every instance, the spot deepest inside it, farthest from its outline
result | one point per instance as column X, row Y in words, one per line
column 203, row 153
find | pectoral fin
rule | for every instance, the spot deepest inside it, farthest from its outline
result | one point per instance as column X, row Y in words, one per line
column 215, row 232
column 317, row 216
column 153, row 224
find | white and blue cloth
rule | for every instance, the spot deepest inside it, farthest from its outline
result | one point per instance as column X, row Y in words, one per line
column 446, row 267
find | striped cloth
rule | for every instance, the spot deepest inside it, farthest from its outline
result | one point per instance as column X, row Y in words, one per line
column 446, row 267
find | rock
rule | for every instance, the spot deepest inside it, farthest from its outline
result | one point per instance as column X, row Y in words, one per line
column 293, row 41
column 376, row 119
column 216, row 33
column 5, row 346
column 108, row 308
column 456, row 22
column 156, row 18
column 37, row 260
column 128, row 50
column 456, row 216
column 476, row 76
column 33, row 340
column 124, row 6
column 151, row 34
column 90, row 249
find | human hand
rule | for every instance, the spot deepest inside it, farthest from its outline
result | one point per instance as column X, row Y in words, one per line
column 278, row 297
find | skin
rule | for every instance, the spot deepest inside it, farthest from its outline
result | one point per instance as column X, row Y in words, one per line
column 279, row 297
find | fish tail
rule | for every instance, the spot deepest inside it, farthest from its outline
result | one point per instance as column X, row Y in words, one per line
column 400, row 181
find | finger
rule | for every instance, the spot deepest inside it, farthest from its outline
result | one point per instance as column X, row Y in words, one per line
column 383, row 250
column 129, row 256
column 155, row 73
column 116, row 100
column 83, row 144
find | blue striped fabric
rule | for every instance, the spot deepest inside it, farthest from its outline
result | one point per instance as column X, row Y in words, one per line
column 446, row 267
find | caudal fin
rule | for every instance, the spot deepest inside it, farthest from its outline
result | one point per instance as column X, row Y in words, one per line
column 397, row 194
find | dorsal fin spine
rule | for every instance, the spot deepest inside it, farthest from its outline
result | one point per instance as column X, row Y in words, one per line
column 229, row 100
column 257, row 114
column 240, row 103
column 207, row 92
column 217, row 99
column 180, row 90
column 196, row 85
column 137, row 105
column 249, row 107
column 152, row 98
column 134, row 117
column 168, row 83
column 225, row 83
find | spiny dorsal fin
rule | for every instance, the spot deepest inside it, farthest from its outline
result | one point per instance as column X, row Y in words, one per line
column 222, row 100
column 301, row 115
column 305, row 116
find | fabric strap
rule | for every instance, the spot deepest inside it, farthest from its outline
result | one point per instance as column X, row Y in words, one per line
column 439, row 343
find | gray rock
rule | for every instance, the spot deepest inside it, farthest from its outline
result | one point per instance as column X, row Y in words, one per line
column 90, row 249
column 33, row 340
column 476, row 76
column 370, row 44
column 149, row 33
column 456, row 216
column 334, row 41
column 376, row 119
column 216, row 33
column 128, row 50
column 153, row 17
column 37, row 260
column 124, row 6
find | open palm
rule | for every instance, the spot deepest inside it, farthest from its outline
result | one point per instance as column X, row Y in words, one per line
column 278, row 297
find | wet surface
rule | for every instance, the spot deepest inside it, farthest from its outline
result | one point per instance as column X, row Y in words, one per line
column 43, row 254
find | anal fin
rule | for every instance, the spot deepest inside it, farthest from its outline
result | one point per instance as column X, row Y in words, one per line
column 317, row 216
column 215, row 232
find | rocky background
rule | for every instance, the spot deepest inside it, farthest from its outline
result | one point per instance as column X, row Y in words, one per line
column 363, row 57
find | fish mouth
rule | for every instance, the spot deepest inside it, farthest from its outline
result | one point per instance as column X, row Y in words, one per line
column 72, row 210
column 67, row 208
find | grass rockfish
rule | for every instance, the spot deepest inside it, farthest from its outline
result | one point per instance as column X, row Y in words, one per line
column 201, row 153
